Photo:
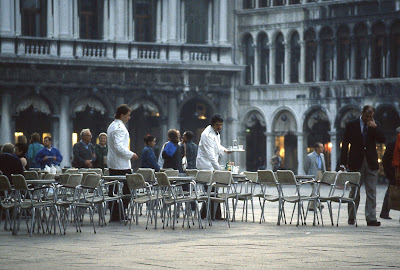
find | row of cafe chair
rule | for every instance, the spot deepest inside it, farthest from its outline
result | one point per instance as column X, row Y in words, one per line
column 81, row 190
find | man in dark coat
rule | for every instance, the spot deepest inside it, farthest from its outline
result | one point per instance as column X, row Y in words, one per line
column 363, row 134
column 10, row 164
column 83, row 151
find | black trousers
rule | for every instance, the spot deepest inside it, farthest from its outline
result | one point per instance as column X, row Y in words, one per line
column 125, row 190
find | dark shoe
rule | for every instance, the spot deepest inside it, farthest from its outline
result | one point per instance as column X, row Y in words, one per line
column 351, row 222
column 385, row 216
column 373, row 223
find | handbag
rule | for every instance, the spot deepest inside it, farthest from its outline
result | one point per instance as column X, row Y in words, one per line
column 184, row 159
column 394, row 197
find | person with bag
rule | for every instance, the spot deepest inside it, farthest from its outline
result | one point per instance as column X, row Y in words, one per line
column 33, row 149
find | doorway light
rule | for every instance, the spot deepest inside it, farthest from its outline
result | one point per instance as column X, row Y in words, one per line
column 17, row 134
column 74, row 138
column 202, row 117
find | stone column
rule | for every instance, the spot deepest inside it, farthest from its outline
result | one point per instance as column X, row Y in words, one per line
column 353, row 59
column 210, row 22
column 369, row 75
column 318, row 62
column 158, row 21
column 173, row 20
column 75, row 19
column 334, row 152
column 302, row 78
column 288, row 56
column 270, row 147
column 105, row 20
column 256, row 65
column 7, row 26
column 272, row 64
column 334, row 66
column 388, row 72
column 111, row 21
column 164, row 24
column 300, row 152
column 5, row 129
column 173, row 112
column 50, row 19
column 17, row 18
column 223, row 22
column 65, row 132
column 164, row 131
column 55, row 131
column 65, row 19
column 121, row 21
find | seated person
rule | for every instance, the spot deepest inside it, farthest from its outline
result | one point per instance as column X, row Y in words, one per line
column 10, row 164
column 48, row 155
column 148, row 157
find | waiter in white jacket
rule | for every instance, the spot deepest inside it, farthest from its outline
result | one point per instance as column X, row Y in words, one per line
column 119, row 156
column 209, row 150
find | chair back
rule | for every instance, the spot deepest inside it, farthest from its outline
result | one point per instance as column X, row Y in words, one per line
column 252, row 176
column 352, row 177
column 74, row 180
column 71, row 171
column 329, row 177
column 204, row 176
column 96, row 170
column 81, row 170
column 4, row 183
column 64, row 178
column 49, row 176
column 92, row 180
column 84, row 176
column 30, row 175
column 286, row 177
column 19, row 182
column 162, row 180
column 147, row 173
column 266, row 177
column 172, row 172
column 191, row 172
column 106, row 172
column 135, row 181
column 222, row 177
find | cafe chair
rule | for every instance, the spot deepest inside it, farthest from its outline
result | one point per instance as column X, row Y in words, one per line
column 191, row 172
column 324, row 191
column 31, row 175
column 172, row 173
column 96, row 170
column 148, row 174
column 246, row 191
column 6, row 201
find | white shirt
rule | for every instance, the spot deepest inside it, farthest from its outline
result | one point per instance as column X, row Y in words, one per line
column 119, row 156
column 209, row 150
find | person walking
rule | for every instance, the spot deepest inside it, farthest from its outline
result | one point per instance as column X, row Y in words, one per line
column 363, row 134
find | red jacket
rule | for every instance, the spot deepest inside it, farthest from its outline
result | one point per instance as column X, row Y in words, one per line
column 396, row 153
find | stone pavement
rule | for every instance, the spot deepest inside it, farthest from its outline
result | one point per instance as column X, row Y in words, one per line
column 244, row 245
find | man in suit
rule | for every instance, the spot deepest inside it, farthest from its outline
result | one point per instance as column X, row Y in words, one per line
column 314, row 164
column 363, row 134
column 83, row 151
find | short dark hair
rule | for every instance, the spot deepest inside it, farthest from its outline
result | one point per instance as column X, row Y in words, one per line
column 35, row 137
column 48, row 138
column 189, row 135
column 216, row 118
column 148, row 138
column 276, row 150
column 23, row 147
column 367, row 108
column 173, row 135
column 317, row 144
column 122, row 109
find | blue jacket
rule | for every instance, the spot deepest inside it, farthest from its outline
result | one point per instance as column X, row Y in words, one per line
column 53, row 152
column 149, row 159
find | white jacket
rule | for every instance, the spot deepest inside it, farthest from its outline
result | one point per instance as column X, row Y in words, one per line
column 119, row 156
column 209, row 150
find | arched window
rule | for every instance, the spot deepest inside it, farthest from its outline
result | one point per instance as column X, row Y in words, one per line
column 34, row 18
column 378, row 50
column 311, row 49
column 249, row 59
column 327, row 46
column 343, row 53
column 196, row 17
column 295, row 58
column 90, row 19
column 264, row 58
column 361, row 43
column 145, row 19
column 395, row 49
column 279, row 59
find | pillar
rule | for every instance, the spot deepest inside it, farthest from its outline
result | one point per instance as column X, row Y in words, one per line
column 111, row 21
column 369, row 75
column 353, row 59
column 210, row 22
column 172, row 20
column 256, row 65
column 223, row 22
column 318, row 62
column 121, row 21
column 335, row 46
column 65, row 132
column 288, row 55
column 50, row 19
column 5, row 129
column 158, row 20
column 75, row 20
column 17, row 18
column 300, row 153
column 272, row 64
column 302, row 78
column 173, row 112
column 270, row 148
column 334, row 152
column 105, row 20
column 7, row 26
column 164, row 23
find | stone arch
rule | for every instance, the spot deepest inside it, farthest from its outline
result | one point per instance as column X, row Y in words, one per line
column 38, row 104
column 280, row 123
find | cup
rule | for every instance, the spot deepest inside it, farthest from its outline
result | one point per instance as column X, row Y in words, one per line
column 235, row 144
column 240, row 146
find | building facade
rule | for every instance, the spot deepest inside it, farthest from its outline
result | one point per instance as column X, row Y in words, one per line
column 283, row 73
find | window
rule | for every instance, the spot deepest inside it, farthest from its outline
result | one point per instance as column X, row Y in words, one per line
column 295, row 58
column 395, row 49
column 278, row 2
column 378, row 51
column 264, row 58
column 311, row 53
column 249, row 59
column 247, row 4
column 90, row 19
column 263, row 3
column 361, row 49
column 327, row 51
column 145, row 20
column 34, row 18
column 344, row 53
column 196, row 21
column 279, row 59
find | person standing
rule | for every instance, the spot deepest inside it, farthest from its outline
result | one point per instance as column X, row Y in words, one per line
column 33, row 149
column 189, row 149
column 83, row 151
column 363, row 134
column 209, row 150
column 314, row 164
column 276, row 161
column 172, row 153
column 119, row 156
column 148, row 156
column 48, row 155
column 101, row 151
